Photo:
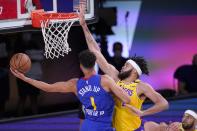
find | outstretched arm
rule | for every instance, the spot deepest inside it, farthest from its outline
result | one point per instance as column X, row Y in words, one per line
column 68, row 86
column 93, row 46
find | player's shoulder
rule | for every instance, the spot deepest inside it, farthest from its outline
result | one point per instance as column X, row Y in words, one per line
column 74, row 80
column 106, row 79
column 105, row 76
column 143, row 83
column 144, row 86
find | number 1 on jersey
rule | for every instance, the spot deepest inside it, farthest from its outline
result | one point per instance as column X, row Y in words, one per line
column 93, row 103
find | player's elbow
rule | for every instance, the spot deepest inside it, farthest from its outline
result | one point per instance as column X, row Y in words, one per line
column 48, row 90
column 164, row 104
column 126, row 99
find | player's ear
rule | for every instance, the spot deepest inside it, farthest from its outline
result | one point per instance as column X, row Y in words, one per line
column 134, row 71
column 81, row 67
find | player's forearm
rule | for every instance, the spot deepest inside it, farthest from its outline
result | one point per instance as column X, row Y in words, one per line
column 39, row 84
column 123, row 96
column 158, row 107
column 92, row 44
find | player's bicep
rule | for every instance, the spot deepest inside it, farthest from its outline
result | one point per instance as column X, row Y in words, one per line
column 154, row 96
column 64, row 87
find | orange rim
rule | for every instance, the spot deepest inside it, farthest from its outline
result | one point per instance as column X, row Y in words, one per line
column 40, row 15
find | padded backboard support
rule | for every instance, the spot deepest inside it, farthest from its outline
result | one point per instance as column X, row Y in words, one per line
column 15, row 14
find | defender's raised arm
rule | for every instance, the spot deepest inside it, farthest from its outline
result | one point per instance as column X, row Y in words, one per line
column 93, row 46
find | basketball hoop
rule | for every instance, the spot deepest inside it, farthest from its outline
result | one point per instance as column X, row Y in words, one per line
column 55, row 28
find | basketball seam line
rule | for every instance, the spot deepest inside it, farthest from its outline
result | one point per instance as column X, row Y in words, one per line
column 19, row 63
column 24, row 64
column 15, row 61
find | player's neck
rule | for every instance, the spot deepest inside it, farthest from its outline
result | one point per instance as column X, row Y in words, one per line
column 129, row 80
column 88, row 74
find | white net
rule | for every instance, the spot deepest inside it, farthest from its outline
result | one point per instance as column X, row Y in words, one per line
column 55, row 34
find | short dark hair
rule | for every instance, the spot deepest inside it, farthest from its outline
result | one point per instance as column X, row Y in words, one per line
column 142, row 63
column 87, row 59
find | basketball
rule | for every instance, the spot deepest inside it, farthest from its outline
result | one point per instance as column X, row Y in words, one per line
column 20, row 62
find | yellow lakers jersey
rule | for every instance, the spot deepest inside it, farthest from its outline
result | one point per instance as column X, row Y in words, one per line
column 124, row 119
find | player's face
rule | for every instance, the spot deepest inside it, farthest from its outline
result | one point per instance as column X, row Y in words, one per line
column 126, row 67
column 125, row 71
column 187, row 121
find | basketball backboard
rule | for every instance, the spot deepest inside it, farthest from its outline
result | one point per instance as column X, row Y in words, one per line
column 15, row 14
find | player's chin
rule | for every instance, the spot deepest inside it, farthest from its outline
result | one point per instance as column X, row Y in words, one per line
column 186, row 125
